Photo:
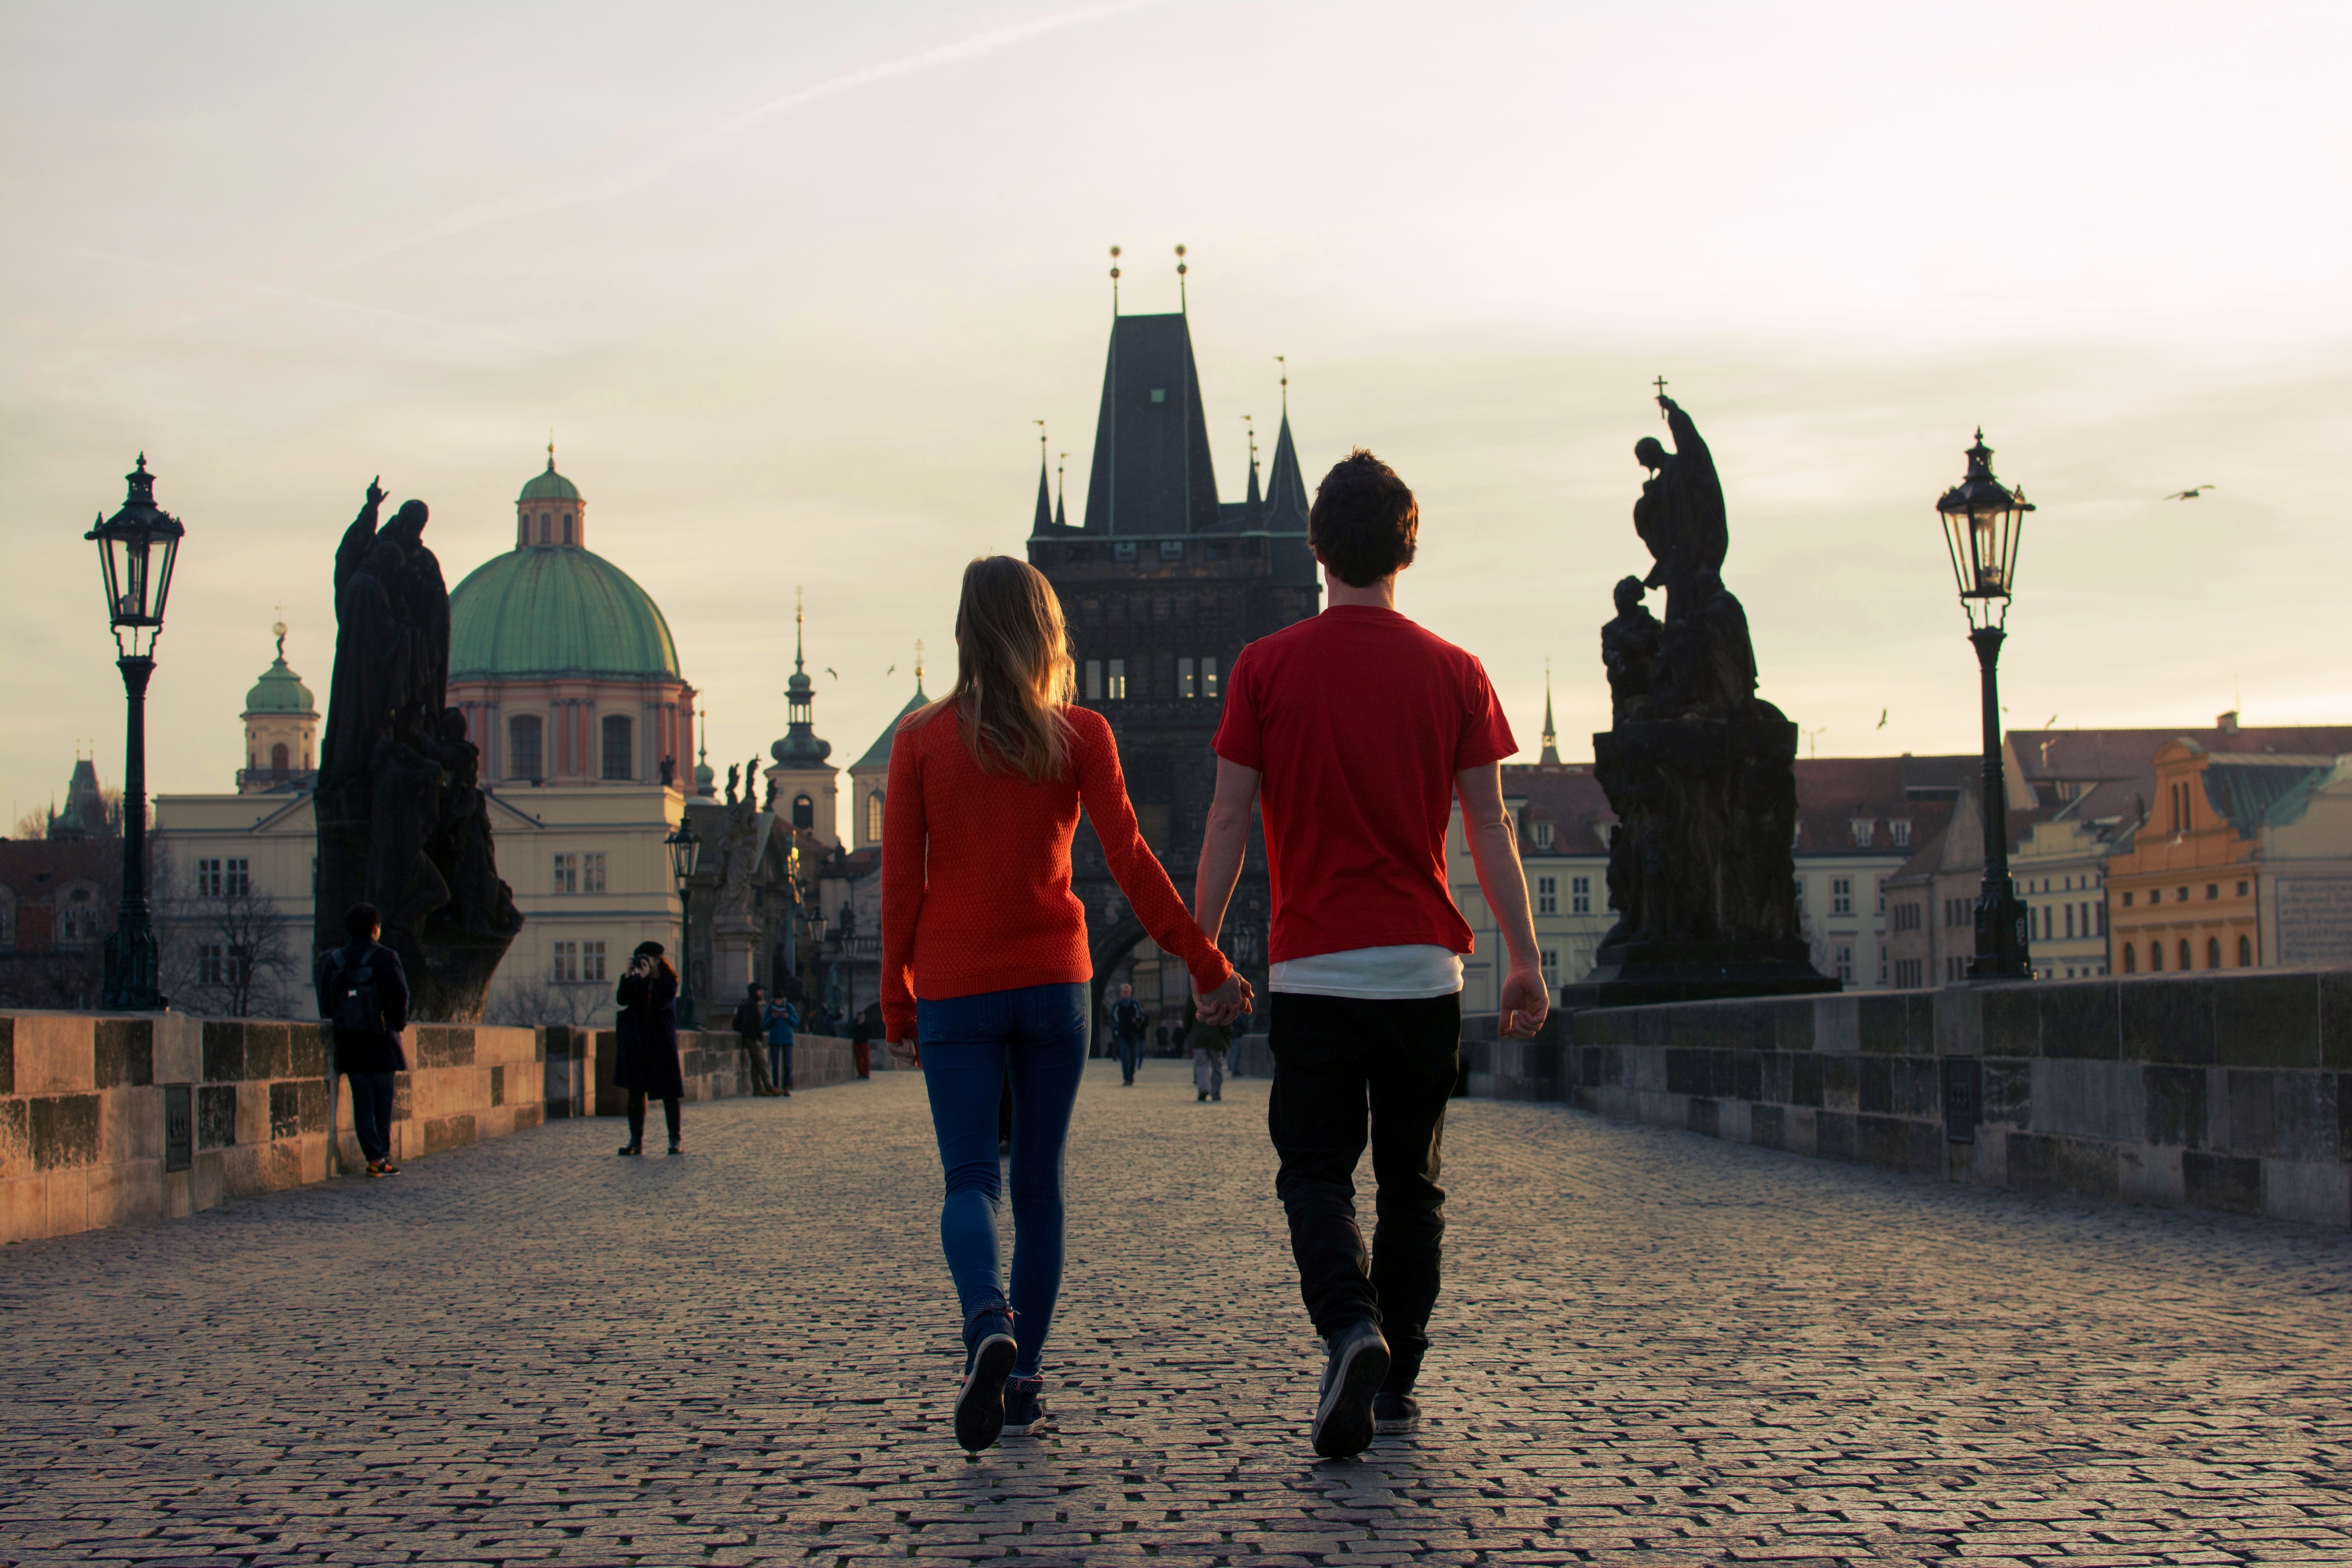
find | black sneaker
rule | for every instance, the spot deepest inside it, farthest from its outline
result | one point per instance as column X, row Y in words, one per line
column 1359, row 1364
column 632, row 1148
column 980, row 1406
column 1025, row 1411
column 1395, row 1413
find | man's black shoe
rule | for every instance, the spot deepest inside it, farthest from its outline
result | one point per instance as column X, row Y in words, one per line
column 1359, row 1364
column 1395, row 1413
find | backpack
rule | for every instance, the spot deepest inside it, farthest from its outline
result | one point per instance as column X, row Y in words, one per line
column 355, row 1010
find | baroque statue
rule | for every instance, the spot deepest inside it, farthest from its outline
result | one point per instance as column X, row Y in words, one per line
column 402, row 818
column 1698, row 769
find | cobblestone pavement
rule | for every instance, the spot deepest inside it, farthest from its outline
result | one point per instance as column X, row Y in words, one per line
column 1653, row 1349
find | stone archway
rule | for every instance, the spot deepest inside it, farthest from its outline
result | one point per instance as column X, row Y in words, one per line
column 1110, row 951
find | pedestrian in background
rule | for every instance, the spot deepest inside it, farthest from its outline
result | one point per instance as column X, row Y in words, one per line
column 646, row 1031
column 1208, row 1042
column 985, row 961
column 1128, row 1028
column 752, row 1027
column 362, row 990
column 782, row 1019
column 861, row 1038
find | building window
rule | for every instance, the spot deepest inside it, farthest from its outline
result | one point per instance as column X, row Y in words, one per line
column 1551, row 966
column 1882, row 964
column 281, row 761
column 2212, row 953
column 542, row 528
column 567, row 873
column 618, row 765
column 1546, row 895
column 2181, row 897
column 1208, row 678
column 1115, row 681
column 2155, row 956
column 874, row 817
column 1580, row 895
column 1543, row 835
column 1841, row 896
column 2103, row 918
column 2070, row 921
column 1900, row 829
column 2212, row 890
column 208, row 879
column 2242, row 889
column 567, row 528
column 2131, row 959
column 1122, row 549
column 1172, row 550
column 591, row 871
column 804, row 812
column 1865, row 831
column 2245, row 952
column 1188, row 680
column 2185, row 964
column 210, row 969
column 2155, row 896
column 1094, row 680
column 522, row 747
column 591, row 961
column 1844, row 952
column 565, row 970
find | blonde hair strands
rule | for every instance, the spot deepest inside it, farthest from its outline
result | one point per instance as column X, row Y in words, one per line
column 1014, row 675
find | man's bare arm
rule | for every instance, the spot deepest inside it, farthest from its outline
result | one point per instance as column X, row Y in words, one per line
column 1494, row 851
column 1223, row 846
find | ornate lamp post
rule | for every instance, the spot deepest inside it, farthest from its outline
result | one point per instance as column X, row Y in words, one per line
column 136, row 548
column 685, row 854
column 1982, row 522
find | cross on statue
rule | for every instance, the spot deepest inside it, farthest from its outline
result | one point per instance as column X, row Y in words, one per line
column 1661, row 384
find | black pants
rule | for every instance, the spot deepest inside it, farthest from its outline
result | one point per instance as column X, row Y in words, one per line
column 638, row 1117
column 371, row 1114
column 1334, row 1059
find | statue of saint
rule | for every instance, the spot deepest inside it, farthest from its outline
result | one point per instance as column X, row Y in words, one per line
column 1629, row 647
column 1681, row 514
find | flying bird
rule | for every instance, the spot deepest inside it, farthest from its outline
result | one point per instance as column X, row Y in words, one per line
column 833, row 672
column 1882, row 718
column 889, row 672
column 2191, row 493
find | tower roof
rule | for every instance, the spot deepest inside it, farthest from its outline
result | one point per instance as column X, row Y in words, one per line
column 279, row 689
column 556, row 612
column 1152, row 472
column 1286, row 486
column 877, row 755
column 800, row 747
column 550, row 485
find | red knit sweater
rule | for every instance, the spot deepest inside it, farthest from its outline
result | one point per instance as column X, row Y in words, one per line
column 976, row 871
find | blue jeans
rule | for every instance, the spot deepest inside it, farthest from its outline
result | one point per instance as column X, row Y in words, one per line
column 371, row 1114
column 779, row 1064
column 1037, row 1037
column 1131, row 1055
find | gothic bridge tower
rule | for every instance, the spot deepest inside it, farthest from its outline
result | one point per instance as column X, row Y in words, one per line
column 1164, row 584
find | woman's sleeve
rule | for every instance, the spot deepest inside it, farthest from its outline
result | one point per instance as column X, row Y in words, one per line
column 1102, row 790
column 905, row 847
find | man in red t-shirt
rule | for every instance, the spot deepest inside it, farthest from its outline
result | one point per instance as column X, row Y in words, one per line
column 1358, row 729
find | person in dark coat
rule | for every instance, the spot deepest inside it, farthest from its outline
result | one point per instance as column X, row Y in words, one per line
column 362, row 990
column 647, row 1065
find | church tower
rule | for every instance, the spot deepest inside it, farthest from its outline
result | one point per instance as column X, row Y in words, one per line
column 869, row 777
column 807, row 790
column 281, row 730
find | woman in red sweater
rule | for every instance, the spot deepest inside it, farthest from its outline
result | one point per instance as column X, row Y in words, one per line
column 985, row 961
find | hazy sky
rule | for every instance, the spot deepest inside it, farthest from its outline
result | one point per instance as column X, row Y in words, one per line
column 790, row 282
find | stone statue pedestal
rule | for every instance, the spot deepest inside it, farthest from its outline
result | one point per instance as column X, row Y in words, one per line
column 1702, row 870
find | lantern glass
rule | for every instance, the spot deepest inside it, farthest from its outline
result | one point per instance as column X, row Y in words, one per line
column 136, row 548
column 685, row 853
column 1982, row 524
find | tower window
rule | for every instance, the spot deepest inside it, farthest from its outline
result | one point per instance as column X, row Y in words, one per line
column 874, row 817
column 522, row 747
column 1115, row 681
column 618, row 764
column 567, row 528
column 1208, row 678
column 543, row 521
column 1188, row 680
column 1094, row 680
column 278, row 760
column 804, row 812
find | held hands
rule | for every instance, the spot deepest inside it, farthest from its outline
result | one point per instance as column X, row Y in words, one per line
column 1227, row 1002
column 1526, row 1000
column 906, row 1053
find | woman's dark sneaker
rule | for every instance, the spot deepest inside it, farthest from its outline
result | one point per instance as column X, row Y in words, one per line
column 1359, row 1364
column 988, row 1362
column 632, row 1149
column 1024, row 1409
column 1395, row 1413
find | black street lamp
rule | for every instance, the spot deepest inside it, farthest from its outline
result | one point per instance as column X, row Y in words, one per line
column 136, row 548
column 685, row 854
column 1982, row 522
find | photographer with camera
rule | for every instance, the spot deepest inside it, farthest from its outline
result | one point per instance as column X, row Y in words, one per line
column 647, row 1064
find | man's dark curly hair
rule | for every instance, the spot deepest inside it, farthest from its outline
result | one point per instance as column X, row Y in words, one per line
column 1365, row 523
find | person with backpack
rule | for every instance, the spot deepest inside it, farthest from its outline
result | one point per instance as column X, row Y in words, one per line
column 363, row 993
column 750, row 1027
column 781, row 1019
column 647, row 1063
column 1127, row 1028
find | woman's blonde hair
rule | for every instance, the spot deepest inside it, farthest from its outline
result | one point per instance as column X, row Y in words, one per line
column 1014, row 676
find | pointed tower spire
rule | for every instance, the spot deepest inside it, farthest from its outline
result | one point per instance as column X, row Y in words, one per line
column 1286, row 486
column 1550, row 757
column 800, row 748
column 1183, row 305
column 1114, row 282
column 918, row 667
column 1254, row 497
column 1061, row 493
column 1045, row 519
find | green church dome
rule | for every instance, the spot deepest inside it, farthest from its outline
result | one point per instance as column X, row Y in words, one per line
column 279, row 689
column 543, row 611
column 550, row 485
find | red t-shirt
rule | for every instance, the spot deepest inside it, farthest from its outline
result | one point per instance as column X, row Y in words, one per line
column 1358, row 720
column 976, row 871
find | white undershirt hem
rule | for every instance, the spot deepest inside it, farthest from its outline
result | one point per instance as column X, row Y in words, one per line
column 1371, row 973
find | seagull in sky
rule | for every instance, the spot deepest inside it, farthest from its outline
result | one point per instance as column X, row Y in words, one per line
column 1882, row 718
column 834, row 673
column 2191, row 493
column 889, row 672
